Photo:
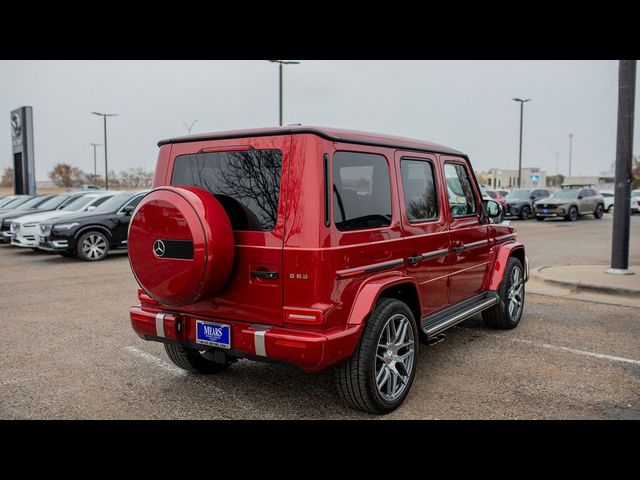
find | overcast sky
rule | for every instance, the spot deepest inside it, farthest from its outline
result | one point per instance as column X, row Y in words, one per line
column 463, row 104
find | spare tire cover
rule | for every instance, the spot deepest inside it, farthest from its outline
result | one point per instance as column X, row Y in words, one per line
column 180, row 245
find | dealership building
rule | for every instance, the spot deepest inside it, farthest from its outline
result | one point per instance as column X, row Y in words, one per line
column 532, row 177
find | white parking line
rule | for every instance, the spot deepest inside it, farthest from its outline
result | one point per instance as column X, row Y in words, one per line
column 604, row 356
column 156, row 361
column 167, row 367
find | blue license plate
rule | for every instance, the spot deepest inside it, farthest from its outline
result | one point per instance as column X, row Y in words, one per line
column 545, row 210
column 213, row 334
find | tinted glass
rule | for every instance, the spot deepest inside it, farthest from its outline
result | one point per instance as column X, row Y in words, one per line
column 53, row 202
column 419, row 190
column 33, row 202
column 8, row 201
column 361, row 191
column 246, row 183
column 607, row 194
column 492, row 194
column 635, row 194
column 115, row 203
column 519, row 195
column 76, row 203
column 565, row 194
column 100, row 201
column 462, row 200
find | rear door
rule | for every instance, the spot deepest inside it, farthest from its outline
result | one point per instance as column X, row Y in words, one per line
column 469, row 256
column 424, row 224
column 245, row 175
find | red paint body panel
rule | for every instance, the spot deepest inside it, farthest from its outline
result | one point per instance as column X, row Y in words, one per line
column 330, row 279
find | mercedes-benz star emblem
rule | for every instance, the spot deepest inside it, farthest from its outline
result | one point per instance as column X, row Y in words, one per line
column 158, row 248
column 16, row 125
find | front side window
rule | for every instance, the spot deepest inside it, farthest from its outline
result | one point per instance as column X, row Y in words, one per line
column 418, row 185
column 462, row 199
column 361, row 191
column 246, row 183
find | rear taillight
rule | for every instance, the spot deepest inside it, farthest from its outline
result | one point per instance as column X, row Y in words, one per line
column 145, row 299
column 303, row 316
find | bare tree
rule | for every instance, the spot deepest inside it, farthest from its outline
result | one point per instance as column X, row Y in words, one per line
column 67, row 176
column 7, row 177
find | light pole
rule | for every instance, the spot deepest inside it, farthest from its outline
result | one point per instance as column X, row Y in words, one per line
column 624, row 151
column 557, row 154
column 189, row 127
column 106, row 170
column 281, row 63
column 95, row 170
column 522, row 102
column 570, row 151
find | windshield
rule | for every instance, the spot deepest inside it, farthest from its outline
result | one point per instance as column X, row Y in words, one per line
column 519, row 195
column 491, row 193
column 15, row 201
column 32, row 202
column 635, row 194
column 53, row 202
column 565, row 194
column 76, row 204
column 7, row 200
column 115, row 202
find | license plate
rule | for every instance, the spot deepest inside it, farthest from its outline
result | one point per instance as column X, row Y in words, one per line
column 213, row 334
column 13, row 236
column 545, row 210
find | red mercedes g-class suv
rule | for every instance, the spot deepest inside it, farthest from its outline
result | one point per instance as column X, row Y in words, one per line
column 320, row 248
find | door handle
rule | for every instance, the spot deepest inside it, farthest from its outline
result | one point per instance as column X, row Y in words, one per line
column 264, row 274
column 414, row 260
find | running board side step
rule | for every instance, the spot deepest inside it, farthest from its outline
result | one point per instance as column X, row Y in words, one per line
column 450, row 316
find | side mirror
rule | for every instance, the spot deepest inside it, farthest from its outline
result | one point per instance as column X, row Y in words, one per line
column 128, row 210
column 91, row 207
column 492, row 210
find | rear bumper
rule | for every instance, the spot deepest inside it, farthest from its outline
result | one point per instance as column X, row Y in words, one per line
column 310, row 350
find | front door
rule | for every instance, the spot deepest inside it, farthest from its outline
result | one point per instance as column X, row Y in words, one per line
column 424, row 225
column 469, row 258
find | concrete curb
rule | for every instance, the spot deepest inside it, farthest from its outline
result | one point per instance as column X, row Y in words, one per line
column 582, row 286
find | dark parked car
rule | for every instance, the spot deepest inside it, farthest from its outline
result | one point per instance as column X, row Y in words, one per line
column 90, row 235
column 520, row 201
column 569, row 203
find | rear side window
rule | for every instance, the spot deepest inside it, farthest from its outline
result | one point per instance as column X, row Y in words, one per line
column 246, row 183
column 462, row 199
column 419, row 190
column 361, row 191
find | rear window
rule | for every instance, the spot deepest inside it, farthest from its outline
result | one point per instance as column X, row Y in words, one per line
column 246, row 183
column 361, row 191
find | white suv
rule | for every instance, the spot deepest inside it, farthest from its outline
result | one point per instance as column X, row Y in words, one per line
column 24, row 230
column 635, row 201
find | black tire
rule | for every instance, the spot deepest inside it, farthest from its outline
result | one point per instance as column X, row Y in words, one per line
column 572, row 215
column 500, row 316
column 540, row 219
column 525, row 213
column 599, row 211
column 192, row 360
column 356, row 378
column 610, row 209
column 94, row 237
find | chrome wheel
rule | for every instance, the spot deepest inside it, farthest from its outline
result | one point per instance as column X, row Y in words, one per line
column 515, row 294
column 94, row 246
column 394, row 357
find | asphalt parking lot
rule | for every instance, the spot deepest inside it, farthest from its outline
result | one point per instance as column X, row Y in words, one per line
column 67, row 351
